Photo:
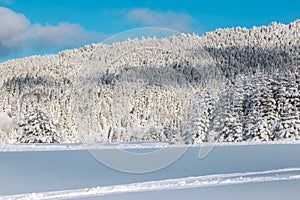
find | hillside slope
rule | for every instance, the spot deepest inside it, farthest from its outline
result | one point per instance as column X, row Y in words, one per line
column 229, row 85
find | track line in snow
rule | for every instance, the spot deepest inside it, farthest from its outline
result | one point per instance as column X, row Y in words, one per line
column 169, row 184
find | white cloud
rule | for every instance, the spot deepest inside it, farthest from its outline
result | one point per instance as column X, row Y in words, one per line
column 17, row 33
column 177, row 21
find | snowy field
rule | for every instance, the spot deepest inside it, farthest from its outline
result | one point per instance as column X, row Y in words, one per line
column 247, row 171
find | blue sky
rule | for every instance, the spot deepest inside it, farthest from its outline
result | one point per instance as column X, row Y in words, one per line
column 46, row 26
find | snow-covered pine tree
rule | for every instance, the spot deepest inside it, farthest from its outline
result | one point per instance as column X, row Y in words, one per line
column 38, row 127
column 231, row 113
column 261, row 114
column 195, row 131
column 287, row 102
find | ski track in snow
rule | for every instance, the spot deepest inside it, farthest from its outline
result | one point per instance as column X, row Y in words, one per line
column 170, row 184
column 81, row 147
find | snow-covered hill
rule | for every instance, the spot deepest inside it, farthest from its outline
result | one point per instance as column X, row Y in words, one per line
column 227, row 86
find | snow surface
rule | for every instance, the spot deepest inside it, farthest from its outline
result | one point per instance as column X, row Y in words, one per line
column 171, row 184
column 76, row 174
